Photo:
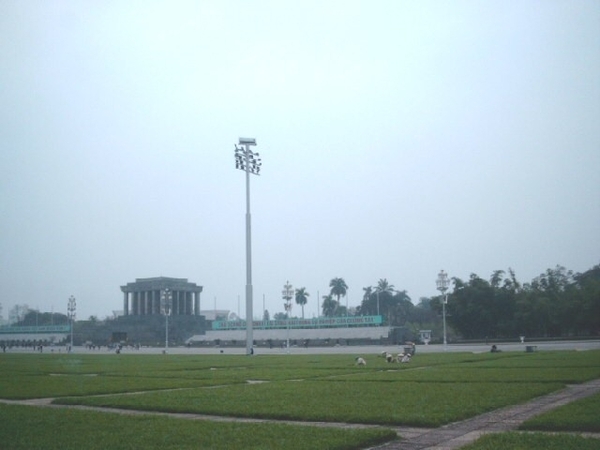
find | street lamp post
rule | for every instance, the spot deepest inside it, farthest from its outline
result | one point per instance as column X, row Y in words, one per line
column 249, row 162
column 288, row 294
column 442, row 283
column 166, row 299
column 71, row 307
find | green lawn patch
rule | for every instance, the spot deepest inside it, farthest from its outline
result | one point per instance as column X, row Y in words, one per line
column 443, row 374
column 31, row 428
column 582, row 415
column 385, row 403
column 533, row 441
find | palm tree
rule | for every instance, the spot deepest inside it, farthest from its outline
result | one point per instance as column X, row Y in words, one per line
column 368, row 291
column 329, row 306
column 302, row 298
column 383, row 289
column 365, row 306
column 338, row 288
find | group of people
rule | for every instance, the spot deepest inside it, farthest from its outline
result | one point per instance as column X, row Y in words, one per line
column 403, row 357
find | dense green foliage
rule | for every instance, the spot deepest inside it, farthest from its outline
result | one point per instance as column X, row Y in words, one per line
column 557, row 303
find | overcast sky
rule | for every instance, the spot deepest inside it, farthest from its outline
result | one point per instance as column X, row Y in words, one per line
column 397, row 139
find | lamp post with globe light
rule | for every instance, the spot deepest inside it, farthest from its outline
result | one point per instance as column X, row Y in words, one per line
column 442, row 283
column 288, row 294
column 166, row 300
column 71, row 307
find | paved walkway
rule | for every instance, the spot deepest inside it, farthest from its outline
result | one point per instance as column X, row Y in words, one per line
column 448, row 437
column 458, row 434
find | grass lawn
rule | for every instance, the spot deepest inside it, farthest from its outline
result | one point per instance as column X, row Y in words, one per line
column 533, row 441
column 432, row 390
column 582, row 415
column 384, row 403
column 32, row 428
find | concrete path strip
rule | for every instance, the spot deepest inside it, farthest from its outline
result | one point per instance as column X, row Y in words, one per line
column 458, row 434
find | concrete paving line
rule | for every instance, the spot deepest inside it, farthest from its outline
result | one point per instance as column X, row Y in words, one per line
column 458, row 434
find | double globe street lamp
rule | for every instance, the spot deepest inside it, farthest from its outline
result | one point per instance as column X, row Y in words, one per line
column 442, row 283
column 288, row 294
column 166, row 302
column 71, row 307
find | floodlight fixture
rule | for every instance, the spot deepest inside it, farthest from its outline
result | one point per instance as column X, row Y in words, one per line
column 247, row 141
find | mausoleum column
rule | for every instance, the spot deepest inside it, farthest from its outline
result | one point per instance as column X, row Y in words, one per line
column 125, row 303
column 197, row 303
column 136, row 303
column 156, row 302
column 146, row 302
column 188, row 303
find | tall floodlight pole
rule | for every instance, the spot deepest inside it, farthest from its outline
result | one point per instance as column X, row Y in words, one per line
column 71, row 307
column 249, row 162
column 442, row 283
column 166, row 300
column 288, row 294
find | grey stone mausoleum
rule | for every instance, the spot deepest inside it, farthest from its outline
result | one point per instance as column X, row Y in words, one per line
column 143, row 297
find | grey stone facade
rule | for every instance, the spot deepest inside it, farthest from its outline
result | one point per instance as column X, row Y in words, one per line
column 143, row 297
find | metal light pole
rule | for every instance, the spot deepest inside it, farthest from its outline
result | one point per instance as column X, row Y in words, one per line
column 442, row 283
column 166, row 300
column 288, row 294
column 249, row 162
column 71, row 307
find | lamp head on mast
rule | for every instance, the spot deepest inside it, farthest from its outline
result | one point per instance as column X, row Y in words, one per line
column 246, row 159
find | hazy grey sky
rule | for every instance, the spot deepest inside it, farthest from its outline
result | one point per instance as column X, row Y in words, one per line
column 397, row 139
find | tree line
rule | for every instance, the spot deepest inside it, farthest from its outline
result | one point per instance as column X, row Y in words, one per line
column 557, row 303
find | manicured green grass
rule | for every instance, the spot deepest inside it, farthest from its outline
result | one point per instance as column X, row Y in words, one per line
column 432, row 390
column 582, row 415
column 437, row 374
column 533, row 441
column 343, row 401
column 31, row 428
